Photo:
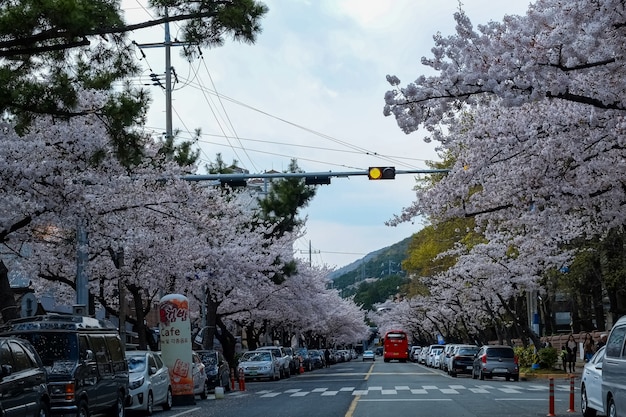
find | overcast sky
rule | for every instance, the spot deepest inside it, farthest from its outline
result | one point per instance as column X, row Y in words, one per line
column 312, row 88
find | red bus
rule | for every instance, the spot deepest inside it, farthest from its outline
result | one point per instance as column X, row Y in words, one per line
column 396, row 346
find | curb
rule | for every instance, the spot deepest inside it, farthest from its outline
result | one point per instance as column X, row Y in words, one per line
column 530, row 376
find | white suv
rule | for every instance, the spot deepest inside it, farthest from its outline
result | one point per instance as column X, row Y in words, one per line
column 282, row 357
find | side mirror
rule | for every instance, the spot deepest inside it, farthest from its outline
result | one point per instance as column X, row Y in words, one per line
column 89, row 355
column 153, row 370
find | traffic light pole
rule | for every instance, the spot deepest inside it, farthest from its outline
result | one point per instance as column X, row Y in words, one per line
column 311, row 175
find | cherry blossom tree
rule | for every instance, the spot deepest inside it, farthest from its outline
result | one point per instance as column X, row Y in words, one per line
column 568, row 51
column 531, row 108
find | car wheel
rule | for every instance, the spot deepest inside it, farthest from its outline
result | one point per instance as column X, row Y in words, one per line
column 611, row 410
column 150, row 404
column 584, row 404
column 452, row 374
column 169, row 400
column 83, row 409
column 516, row 378
column 118, row 409
column 287, row 373
column 507, row 378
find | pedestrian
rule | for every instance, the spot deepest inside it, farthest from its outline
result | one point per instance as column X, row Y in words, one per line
column 602, row 341
column 564, row 358
column 327, row 357
column 588, row 347
column 571, row 347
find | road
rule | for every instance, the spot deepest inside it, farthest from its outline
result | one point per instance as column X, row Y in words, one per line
column 366, row 389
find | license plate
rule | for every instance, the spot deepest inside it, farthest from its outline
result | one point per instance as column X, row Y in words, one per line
column 252, row 372
column 500, row 370
column 468, row 367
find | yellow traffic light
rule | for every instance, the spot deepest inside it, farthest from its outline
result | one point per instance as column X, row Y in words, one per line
column 381, row 173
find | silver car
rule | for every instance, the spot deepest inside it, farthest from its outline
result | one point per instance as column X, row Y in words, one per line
column 149, row 381
column 495, row 360
column 260, row 364
column 614, row 371
column 591, row 385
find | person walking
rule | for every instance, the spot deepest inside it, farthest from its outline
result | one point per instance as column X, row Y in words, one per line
column 571, row 347
column 327, row 357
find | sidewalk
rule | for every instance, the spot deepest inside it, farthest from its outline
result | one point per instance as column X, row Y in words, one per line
column 580, row 364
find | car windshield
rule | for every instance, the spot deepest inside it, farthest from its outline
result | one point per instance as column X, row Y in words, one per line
column 208, row 358
column 500, row 353
column 468, row 351
column 53, row 347
column 136, row 363
column 256, row 357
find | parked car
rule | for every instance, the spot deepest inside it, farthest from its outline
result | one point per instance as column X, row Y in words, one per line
column 614, row 371
column 200, row 379
column 421, row 358
column 317, row 358
column 444, row 362
column 84, row 360
column 294, row 362
column 591, row 385
column 216, row 369
column 283, row 359
column 259, row 364
column 149, row 381
column 432, row 359
column 303, row 355
column 495, row 360
column 462, row 360
column 23, row 380
column 369, row 355
column 414, row 353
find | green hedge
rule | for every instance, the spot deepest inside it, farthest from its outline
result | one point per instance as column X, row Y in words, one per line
column 545, row 357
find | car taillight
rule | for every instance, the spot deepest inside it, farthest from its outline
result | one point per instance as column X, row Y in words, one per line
column 483, row 359
column 515, row 360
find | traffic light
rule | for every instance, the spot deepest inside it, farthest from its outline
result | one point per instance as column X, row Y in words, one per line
column 381, row 173
column 317, row 180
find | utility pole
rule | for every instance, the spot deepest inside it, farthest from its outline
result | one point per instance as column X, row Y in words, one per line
column 168, row 80
column 167, row 44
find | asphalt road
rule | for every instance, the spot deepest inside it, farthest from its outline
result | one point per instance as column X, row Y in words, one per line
column 366, row 389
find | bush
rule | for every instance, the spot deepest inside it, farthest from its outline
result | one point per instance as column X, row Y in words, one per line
column 548, row 357
column 525, row 356
column 545, row 357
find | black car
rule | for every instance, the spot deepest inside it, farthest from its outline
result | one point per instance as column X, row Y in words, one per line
column 23, row 380
column 84, row 359
column 317, row 359
column 216, row 368
column 462, row 360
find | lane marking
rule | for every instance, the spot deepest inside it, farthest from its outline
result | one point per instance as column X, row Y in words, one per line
column 182, row 413
column 352, row 407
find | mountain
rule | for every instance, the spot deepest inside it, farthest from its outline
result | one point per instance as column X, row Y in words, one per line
column 377, row 264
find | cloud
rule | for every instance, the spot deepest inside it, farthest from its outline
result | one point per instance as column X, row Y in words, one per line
column 312, row 88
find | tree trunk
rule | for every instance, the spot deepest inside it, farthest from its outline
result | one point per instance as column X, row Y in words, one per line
column 228, row 341
column 140, row 323
column 8, row 306
column 210, row 322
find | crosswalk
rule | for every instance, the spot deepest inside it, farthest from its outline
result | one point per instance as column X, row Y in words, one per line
column 417, row 390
